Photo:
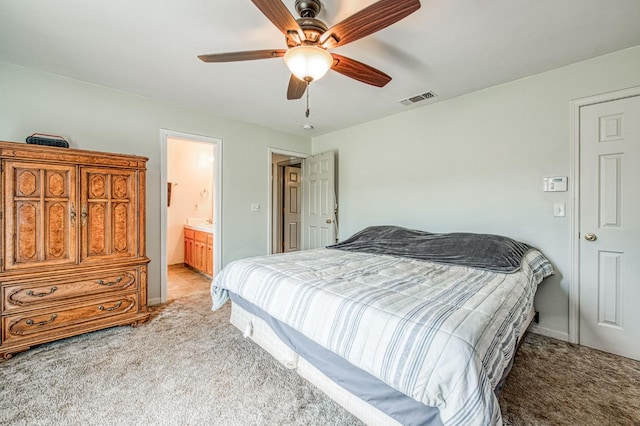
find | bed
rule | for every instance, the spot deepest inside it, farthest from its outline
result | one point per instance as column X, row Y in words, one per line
column 399, row 326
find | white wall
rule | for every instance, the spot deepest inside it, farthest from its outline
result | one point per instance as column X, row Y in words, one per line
column 102, row 119
column 190, row 170
column 476, row 163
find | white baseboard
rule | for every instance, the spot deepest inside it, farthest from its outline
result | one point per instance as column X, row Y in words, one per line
column 535, row 328
column 156, row 301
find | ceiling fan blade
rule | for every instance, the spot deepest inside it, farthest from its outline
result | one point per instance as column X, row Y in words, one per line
column 248, row 55
column 367, row 21
column 359, row 71
column 296, row 88
column 280, row 16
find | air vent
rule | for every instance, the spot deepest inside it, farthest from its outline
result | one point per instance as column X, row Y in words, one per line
column 418, row 98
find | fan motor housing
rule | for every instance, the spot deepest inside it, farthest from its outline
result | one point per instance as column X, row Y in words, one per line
column 313, row 28
column 308, row 8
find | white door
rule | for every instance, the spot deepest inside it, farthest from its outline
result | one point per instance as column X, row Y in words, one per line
column 292, row 207
column 610, row 226
column 319, row 202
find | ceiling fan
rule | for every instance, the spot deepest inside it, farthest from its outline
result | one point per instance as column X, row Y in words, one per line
column 309, row 38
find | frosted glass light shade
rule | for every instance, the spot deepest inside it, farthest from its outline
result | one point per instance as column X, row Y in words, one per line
column 308, row 63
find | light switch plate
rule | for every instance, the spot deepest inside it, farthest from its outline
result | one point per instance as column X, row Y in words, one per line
column 559, row 210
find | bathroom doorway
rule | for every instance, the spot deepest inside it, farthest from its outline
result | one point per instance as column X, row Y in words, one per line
column 191, row 220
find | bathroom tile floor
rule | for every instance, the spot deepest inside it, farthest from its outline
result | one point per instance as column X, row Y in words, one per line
column 183, row 281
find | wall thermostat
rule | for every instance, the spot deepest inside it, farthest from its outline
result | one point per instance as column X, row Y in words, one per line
column 555, row 184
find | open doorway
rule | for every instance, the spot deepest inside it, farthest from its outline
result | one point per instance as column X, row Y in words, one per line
column 286, row 201
column 191, row 213
column 308, row 218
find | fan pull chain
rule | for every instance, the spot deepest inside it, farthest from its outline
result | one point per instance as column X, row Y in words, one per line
column 307, row 112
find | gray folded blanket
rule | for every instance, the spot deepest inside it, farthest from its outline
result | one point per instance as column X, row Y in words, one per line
column 484, row 251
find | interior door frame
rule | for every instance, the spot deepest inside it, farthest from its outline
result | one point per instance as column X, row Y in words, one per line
column 217, row 203
column 280, row 197
column 270, row 177
column 574, row 195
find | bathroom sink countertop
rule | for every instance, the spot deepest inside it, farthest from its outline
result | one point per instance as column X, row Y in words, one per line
column 204, row 228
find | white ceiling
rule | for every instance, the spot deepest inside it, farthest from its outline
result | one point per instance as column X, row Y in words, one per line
column 452, row 47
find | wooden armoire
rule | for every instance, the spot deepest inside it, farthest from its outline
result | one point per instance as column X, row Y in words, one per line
column 72, row 252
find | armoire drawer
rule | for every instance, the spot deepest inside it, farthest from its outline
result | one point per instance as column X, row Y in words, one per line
column 35, row 294
column 66, row 320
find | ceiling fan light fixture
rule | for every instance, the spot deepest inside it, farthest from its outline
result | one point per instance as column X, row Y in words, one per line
column 308, row 63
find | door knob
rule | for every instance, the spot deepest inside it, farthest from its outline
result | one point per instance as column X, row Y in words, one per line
column 328, row 221
column 590, row 236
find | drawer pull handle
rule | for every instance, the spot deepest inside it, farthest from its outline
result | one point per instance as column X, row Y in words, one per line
column 73, row 215
column 52, row 319
column 31, row 293
column 109, row 284
column 113, row 308
column 84, row 214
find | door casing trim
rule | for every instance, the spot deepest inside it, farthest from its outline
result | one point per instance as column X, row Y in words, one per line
column 270, row 178
column 216, row 143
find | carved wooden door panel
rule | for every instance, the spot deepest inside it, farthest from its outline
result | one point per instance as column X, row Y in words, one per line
column 41, row 217
column 108, row 215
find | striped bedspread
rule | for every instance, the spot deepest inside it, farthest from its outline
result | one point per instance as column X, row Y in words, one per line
column 441, row 334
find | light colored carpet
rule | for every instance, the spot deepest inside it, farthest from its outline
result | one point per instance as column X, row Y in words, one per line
column 189, row 366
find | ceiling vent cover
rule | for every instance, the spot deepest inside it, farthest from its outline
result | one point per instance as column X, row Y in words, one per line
column 418, row 98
